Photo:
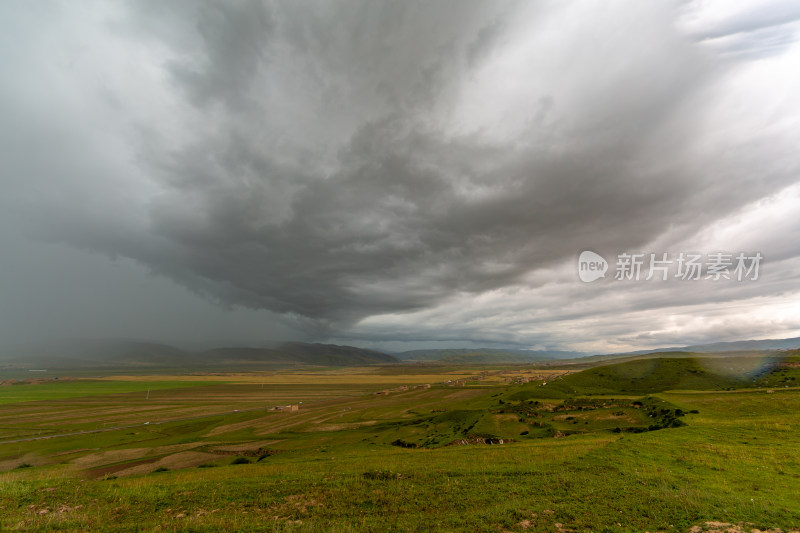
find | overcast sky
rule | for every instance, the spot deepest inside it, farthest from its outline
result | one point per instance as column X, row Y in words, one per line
column 396, row 174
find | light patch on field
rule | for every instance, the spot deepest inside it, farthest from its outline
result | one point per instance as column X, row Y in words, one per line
column 506, row 425
column 570, row 416
column 274, row 422
column 28, row 458
column 95, row 460
column 596, row 417
column 245, row 446
column 612, row 416
column 172, row 462
column 340, row 427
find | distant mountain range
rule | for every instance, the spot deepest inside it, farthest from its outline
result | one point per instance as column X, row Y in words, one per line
column 738, row 346
column 501, row 356
column 766, row 345
column 300, row 352
column 485, row 355
column 134, row 354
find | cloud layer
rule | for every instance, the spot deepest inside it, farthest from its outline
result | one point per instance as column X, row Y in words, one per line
column 377, row 169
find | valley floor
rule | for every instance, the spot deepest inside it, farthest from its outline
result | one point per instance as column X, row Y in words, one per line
column 240, row 465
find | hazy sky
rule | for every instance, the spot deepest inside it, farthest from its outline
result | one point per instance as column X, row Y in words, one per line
column 396, row 174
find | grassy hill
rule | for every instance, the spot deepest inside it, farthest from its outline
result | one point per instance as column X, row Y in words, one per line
column 297, row 353
column 654, row 374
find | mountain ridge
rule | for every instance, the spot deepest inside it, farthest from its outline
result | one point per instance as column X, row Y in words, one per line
column 139, row 354
column 135, row 353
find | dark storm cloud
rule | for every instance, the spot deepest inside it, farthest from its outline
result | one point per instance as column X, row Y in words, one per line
column 233, row 42
column 339, row 160
column 409, row 212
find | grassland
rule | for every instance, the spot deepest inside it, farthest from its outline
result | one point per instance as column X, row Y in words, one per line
column 63, row 389
column 413, row 458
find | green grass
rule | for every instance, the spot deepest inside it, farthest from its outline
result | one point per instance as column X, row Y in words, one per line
column 648, row 481
column 646, row 376
column 59, row 390
column 331, row 466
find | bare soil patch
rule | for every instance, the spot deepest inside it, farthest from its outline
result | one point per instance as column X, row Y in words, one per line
column 109, row 457
column 244, row 446
column 727, row 527
column 343, row 426
column 172, row 462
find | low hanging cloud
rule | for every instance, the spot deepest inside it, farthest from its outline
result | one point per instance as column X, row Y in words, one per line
column 336, row 161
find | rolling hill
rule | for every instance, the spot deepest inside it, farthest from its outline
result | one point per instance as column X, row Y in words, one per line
column 656, row 374
column 297, row 353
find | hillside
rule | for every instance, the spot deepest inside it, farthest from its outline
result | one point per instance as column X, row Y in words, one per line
column 296, row 353
column 503, row 356
column 133, row 354
column 657, row 374
column 765, row 346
